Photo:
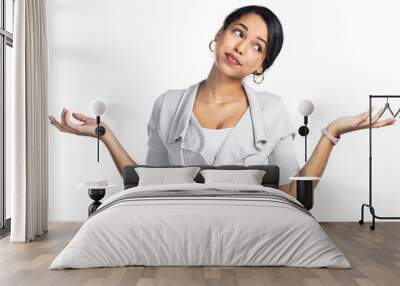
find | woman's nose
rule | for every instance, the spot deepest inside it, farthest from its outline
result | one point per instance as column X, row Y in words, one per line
column 239, row 48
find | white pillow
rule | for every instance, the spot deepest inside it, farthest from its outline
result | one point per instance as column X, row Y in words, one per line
column 162, row 176
column 248, row 176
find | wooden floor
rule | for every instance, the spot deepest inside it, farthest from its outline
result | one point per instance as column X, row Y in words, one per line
column 375, row 257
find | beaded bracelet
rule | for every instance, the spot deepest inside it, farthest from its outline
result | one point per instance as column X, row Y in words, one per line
column 328, row 135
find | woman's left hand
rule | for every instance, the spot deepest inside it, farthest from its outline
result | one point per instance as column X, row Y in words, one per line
column 356, row 122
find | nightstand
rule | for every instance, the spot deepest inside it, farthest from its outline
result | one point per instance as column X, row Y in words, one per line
column 96, row 193
column 305, row 192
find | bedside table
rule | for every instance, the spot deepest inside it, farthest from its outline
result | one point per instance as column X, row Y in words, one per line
column 96, row 193
column 304, row 190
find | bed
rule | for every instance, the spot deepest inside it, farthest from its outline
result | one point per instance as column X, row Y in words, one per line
column 201, row 224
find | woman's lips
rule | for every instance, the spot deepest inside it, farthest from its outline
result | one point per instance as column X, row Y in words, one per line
column 231, row 60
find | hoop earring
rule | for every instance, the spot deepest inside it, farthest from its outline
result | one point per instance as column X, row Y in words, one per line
column 254, row 78
column 209, row 46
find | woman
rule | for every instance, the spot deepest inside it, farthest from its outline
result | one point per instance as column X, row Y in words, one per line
column 190, row 126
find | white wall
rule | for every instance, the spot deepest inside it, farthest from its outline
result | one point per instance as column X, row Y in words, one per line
column 335, row 53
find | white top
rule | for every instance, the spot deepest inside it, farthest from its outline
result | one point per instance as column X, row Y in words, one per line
column 264, row 135
column 213, row 139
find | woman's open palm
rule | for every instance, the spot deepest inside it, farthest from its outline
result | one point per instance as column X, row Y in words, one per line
column 87, row 128
column 361, row 121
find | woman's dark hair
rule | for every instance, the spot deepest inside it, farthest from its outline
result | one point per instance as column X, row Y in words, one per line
column 274, row 28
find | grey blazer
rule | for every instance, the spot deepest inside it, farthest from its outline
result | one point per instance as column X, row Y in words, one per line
column 265, row 135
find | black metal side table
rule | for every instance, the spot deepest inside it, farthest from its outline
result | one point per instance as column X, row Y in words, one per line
column 96, row 193
column 304, row 189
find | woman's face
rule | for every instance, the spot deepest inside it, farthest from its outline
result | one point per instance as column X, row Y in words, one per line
column 245, row 39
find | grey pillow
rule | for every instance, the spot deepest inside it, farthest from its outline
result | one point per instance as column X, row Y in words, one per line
column 250, row 177
column 161, row 176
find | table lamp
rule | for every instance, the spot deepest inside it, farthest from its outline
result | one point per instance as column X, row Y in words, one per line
column 98, row 107
column 305, row 108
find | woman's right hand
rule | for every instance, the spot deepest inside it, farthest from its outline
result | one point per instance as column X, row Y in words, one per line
column 87, row 128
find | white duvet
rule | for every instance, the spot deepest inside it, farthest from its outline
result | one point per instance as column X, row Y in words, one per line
column 190, row 230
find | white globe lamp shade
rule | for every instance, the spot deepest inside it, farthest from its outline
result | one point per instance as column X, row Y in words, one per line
column 97, row 107
column 305, row 107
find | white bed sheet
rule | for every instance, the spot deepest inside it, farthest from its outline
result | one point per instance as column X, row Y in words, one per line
column 191, row 231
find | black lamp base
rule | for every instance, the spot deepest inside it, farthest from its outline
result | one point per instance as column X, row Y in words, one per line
column 100, row 130
column 303, row 130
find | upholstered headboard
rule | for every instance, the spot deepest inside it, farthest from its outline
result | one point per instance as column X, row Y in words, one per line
column 270, row 179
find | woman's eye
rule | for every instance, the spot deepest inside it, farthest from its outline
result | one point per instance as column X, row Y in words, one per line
column 259, row 48
column 240, row 32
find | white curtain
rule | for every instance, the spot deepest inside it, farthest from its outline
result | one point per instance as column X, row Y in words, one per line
column 28, row 145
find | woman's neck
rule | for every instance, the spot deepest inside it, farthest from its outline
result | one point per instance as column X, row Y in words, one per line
column 220, row 89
